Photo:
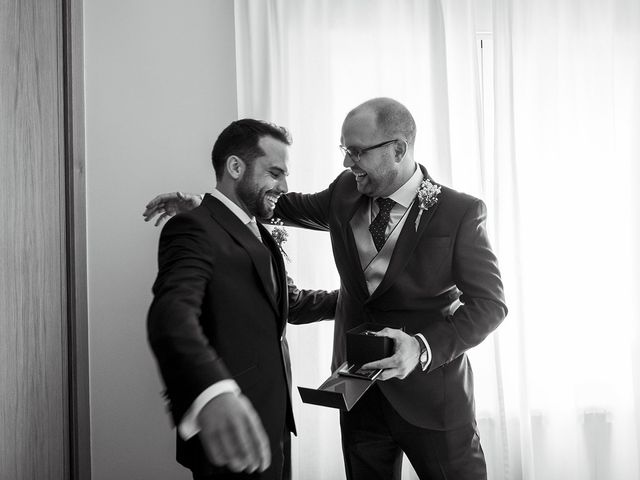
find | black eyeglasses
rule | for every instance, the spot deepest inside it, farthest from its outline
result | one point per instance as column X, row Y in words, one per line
column 355, row 152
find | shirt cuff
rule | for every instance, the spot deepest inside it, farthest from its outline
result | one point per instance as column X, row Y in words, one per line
column 426, row 344
column 189, row 424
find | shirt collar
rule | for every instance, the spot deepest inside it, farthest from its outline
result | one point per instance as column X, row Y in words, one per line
column 407, row 192
column 237, row 211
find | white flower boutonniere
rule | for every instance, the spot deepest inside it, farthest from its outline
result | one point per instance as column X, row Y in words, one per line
column 279, row 235
column 427, row 197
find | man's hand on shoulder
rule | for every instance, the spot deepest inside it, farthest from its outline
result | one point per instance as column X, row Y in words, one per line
column 169, row 204
column 404, row 360
column 232, row 434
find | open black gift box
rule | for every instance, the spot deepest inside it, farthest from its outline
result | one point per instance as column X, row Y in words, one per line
column 348, row 383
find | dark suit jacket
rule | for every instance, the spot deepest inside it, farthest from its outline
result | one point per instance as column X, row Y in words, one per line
column 215, row 316
column 447, row 259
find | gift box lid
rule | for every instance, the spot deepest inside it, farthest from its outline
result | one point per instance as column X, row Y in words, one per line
column 337, row 391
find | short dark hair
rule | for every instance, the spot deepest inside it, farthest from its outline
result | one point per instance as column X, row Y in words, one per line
column 241, row 138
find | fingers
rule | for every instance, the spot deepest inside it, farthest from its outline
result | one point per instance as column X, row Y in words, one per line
column 151, row 211
column 159, row 209
column 163, row 197
column 236, row 450
column 403, row 361
column 215, row 449
column 389, row 362
column 161, row 218
column 168, row 204
column 232, row 434
column 392, row 367
column 389, row 374
column 153, row 202
column 258, row 438
column 389, row 332
column 247, row 448
column 159, row 205
column 230, row 448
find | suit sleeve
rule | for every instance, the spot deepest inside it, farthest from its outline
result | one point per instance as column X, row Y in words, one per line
column 310, row 211
column 476, row 274
column 187, row 362
column 307, row 306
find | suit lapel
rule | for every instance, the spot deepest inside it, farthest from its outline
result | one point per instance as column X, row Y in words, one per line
column 260, row 256
column 281, row 297
column 353, row 275
column 406, row 243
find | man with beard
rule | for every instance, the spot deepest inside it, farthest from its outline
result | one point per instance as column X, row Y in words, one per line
column 414, row 255
column 221, row 304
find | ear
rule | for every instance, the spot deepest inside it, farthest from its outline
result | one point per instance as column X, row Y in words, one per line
column 235, row 167
column 401, row 147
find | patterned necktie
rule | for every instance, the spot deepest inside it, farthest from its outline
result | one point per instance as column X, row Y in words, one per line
column 379, row 224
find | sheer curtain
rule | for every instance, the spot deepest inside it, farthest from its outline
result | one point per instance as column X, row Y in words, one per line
column 543, row 125
column 567, row 78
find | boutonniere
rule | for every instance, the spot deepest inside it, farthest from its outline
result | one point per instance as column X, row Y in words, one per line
column 279, row 235
column 427, row 197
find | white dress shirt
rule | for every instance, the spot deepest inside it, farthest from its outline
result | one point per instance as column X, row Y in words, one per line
column 404, row 198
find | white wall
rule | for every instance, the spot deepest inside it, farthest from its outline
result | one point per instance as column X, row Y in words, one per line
column 160, row 85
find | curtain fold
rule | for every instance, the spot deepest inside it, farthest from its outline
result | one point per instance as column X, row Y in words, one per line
column 560, row 125
column 516, row 456
column 543, row 124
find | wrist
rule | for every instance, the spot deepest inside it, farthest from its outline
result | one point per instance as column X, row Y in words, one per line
column 423, row 355
column 419, row 350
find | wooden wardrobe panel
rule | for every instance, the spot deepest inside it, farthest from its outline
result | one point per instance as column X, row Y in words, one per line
column 33, row 343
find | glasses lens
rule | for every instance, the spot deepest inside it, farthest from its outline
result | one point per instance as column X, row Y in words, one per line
column 354, row 153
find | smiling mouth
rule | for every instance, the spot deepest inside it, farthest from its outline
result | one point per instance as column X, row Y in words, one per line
column 359, row 175
column 272, row 200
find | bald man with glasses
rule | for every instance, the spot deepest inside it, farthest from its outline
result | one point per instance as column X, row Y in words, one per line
column 413, row 255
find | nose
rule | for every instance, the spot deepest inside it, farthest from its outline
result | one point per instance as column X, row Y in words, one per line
column 347, row 162
column 282, row 185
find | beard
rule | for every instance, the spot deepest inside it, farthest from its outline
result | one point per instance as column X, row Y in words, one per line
column 254, row 199
column 377, row 184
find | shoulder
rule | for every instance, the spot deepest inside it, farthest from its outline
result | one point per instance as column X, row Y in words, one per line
column 458, row 197
column 187, row 220
column 344, row 182
column 456, row 207
column 452, row 199
column 458, row 200
column 197, row 225
column 344, row 190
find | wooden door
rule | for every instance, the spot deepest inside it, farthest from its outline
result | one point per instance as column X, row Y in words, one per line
column 38, row 330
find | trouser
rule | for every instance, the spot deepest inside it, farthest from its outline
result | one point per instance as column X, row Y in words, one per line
column 374, row 436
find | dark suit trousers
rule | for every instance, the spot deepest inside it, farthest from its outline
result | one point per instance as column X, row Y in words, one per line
column 280, row 468
column 374, row 437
